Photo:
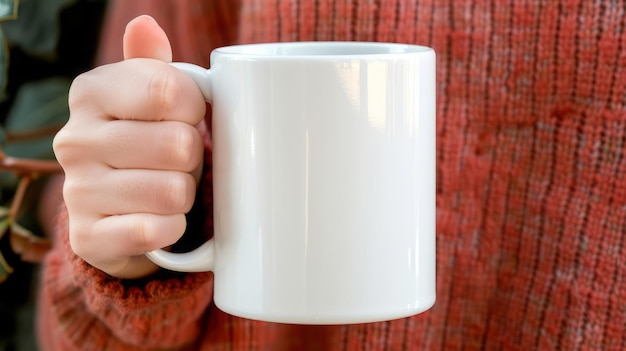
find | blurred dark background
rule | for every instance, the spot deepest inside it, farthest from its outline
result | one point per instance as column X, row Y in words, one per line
column 49, row 43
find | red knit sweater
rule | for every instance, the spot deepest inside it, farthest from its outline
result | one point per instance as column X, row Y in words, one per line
column 531, row 199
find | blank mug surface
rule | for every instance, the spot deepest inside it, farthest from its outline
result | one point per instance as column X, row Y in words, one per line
column 324, row 181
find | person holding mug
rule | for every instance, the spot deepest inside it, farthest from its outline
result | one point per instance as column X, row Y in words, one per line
column 140, row 170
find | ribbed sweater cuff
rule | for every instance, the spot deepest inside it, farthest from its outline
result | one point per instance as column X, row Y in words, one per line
column 90, row 305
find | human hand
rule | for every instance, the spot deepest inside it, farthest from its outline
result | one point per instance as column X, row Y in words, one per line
column 131, row 153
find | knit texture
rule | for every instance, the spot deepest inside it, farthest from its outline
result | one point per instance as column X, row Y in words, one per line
column 531, row 202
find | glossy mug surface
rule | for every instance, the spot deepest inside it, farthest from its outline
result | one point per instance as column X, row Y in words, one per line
column 324, row 181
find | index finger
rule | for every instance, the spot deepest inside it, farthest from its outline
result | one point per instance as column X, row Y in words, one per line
column 138, row 89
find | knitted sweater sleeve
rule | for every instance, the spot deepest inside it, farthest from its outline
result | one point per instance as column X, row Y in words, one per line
column 85, row 309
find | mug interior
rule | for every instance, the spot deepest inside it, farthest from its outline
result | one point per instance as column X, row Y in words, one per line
column 299, row 49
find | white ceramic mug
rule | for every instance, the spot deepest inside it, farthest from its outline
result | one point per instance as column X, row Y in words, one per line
column 324, row 181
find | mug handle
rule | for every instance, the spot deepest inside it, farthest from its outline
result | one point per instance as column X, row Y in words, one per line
column 200, row 259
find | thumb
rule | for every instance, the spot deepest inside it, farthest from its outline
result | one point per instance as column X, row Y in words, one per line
column 146, row 39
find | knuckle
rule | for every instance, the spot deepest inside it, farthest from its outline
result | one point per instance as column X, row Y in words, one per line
column 77, row 195
column 79, row 89
column 76, row 90
column 76, row 142
column 60, row 143
column 141, row 232
column 77, row 239
column 178, row 193
column 72, row 189
column 182, row 147
column 163, row 90
column 77, row 247
column 64, row 146
column 149, row 232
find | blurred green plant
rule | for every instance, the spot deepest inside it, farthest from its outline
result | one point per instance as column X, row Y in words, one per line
column 24, row 242
column 43, row 45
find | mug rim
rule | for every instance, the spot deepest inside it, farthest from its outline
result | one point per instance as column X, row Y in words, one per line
column 321, row 50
